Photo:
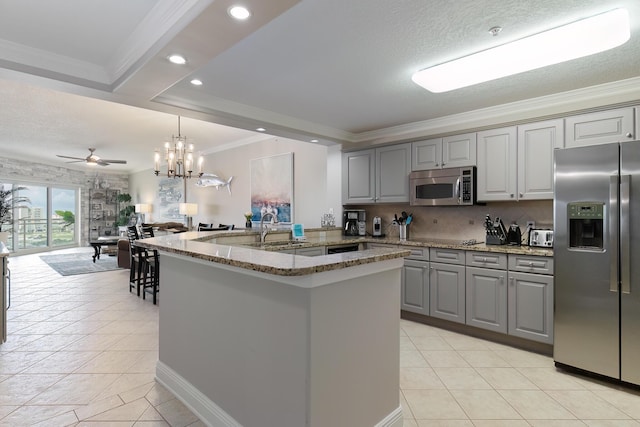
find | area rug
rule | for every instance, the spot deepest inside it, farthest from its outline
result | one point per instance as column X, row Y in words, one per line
column 79, row 263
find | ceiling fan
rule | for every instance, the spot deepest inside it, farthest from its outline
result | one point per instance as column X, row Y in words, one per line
column 92, row 159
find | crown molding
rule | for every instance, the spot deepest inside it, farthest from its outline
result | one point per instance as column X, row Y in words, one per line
column 623, row 91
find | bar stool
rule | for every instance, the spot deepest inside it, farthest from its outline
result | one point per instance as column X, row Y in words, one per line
column 150, row 280
column 135, row 268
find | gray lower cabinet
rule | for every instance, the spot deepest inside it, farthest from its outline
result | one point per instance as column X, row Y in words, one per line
column 487, row 298
column 487, row 290
column 531, row 306
column 447, row 291
column 415, row 281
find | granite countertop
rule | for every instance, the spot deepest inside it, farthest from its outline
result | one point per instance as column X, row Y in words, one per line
column 200, row 245
column 239, row 248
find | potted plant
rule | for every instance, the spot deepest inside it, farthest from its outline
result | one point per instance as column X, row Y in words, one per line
column 126, row 214
column 10, row 200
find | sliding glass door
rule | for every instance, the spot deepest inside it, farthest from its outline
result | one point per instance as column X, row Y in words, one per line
column 43, row 217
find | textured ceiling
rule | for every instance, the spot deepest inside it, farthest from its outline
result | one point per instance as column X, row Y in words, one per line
column 330, row 70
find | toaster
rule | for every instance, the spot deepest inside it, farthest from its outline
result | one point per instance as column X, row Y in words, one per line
column 541, row 238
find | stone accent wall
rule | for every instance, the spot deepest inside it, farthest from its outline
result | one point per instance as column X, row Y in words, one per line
column 14, row 170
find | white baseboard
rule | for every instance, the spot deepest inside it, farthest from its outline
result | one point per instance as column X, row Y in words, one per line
column 203, row 407
column 211, row 414
column 394, row 419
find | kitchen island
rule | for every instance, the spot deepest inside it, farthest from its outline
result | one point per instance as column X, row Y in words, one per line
column 250, row 337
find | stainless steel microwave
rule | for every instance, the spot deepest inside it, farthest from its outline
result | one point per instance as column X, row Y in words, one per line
column 443, row 187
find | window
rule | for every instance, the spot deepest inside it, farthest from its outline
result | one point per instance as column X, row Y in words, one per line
column 47, row 220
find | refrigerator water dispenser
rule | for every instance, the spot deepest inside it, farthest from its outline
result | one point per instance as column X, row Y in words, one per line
column 586, row 225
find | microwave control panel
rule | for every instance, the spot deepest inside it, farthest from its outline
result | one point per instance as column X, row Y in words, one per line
column 466, row 192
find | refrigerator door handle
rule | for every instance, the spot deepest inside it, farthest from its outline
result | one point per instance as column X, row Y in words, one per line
column 613, row 232
column 625, row 236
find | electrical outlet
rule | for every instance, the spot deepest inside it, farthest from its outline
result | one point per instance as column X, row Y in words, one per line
column 531, row 224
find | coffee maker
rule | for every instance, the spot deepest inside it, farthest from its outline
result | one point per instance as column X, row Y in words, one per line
column 353, row 222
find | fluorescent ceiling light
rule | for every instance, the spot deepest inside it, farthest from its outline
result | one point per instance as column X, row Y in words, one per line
column 239, row 12
column 581, row 38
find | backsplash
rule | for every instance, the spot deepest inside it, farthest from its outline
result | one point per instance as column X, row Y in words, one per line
column 453, row 222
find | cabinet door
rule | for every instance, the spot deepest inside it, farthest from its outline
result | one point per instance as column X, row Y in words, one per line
column 486, row 295
column 426, row 154
column 536, row 145
column 415, row 287
column 393, row 165
column 358, row 177
column 459, row 150
column 599, row 128
column 497, row 164
column 531, row 306
column 447, row 292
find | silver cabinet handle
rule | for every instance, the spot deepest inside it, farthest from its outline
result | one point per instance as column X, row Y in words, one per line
column 629, row 135
column 511, row 280
column 511, row 195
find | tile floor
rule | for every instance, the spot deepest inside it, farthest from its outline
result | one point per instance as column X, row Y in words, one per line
column 82, row 352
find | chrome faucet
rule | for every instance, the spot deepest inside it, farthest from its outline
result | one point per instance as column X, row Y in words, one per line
column 265, row 230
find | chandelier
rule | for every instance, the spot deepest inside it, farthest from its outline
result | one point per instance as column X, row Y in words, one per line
column 178, row 156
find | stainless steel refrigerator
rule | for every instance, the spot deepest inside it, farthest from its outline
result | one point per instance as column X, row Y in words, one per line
column 597, row 259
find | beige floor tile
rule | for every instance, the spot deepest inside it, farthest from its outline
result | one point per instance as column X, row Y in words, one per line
column 500, row 423
column 445, row 423
column 444, row 359
column 406, row 343
column 17, row 361
column 406, row 410
column 430, row 343
column 150, row 415
column 462, row 342
column 109, row 362
column 461, row 379
column 20, row 389
column 419, row 378
column 33, row 414
column 628, row 401
column 551, row 379
column 535, row 404
column 483, row 359
column 557, row 423
column 412, row 359
column 128, row 411
column 128, row 387
column 584, row 404
column 525, row 359
column 137, row 342
column 612, row 423
column 106, row 424
column 506, row 379
column 434, row 405
column 61, row 362
column 74, row 389
column 159, row 395
column 485, row 405
column 97, row 407
column 176, row 414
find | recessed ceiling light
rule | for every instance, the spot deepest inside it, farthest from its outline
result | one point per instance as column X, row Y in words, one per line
column 314, row 140
column 239, row 12
column 177, row 59
column 260, row 129
column 196, row 82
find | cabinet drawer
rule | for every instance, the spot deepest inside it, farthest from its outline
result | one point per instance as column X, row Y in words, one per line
column 448, row 256
column 420, row 254
column 531, row 264
column 379, row 245
column 487, row 260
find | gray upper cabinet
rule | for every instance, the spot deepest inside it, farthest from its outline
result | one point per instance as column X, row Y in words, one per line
column 379, row 175
column 358, row 177
column 536, row 145
column 448, row 152
column 497, row 164
column 599, row 128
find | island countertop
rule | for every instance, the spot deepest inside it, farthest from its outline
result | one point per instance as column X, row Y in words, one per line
column 242, row 249
column 205, row 246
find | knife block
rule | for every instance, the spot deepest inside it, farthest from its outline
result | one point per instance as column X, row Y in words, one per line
column 496, row 240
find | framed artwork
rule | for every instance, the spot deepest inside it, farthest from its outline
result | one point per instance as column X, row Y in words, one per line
column 170, row 195
column 272, row 187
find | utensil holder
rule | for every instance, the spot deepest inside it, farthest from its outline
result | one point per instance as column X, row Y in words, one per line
column 496, row 240
column 403, row 230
